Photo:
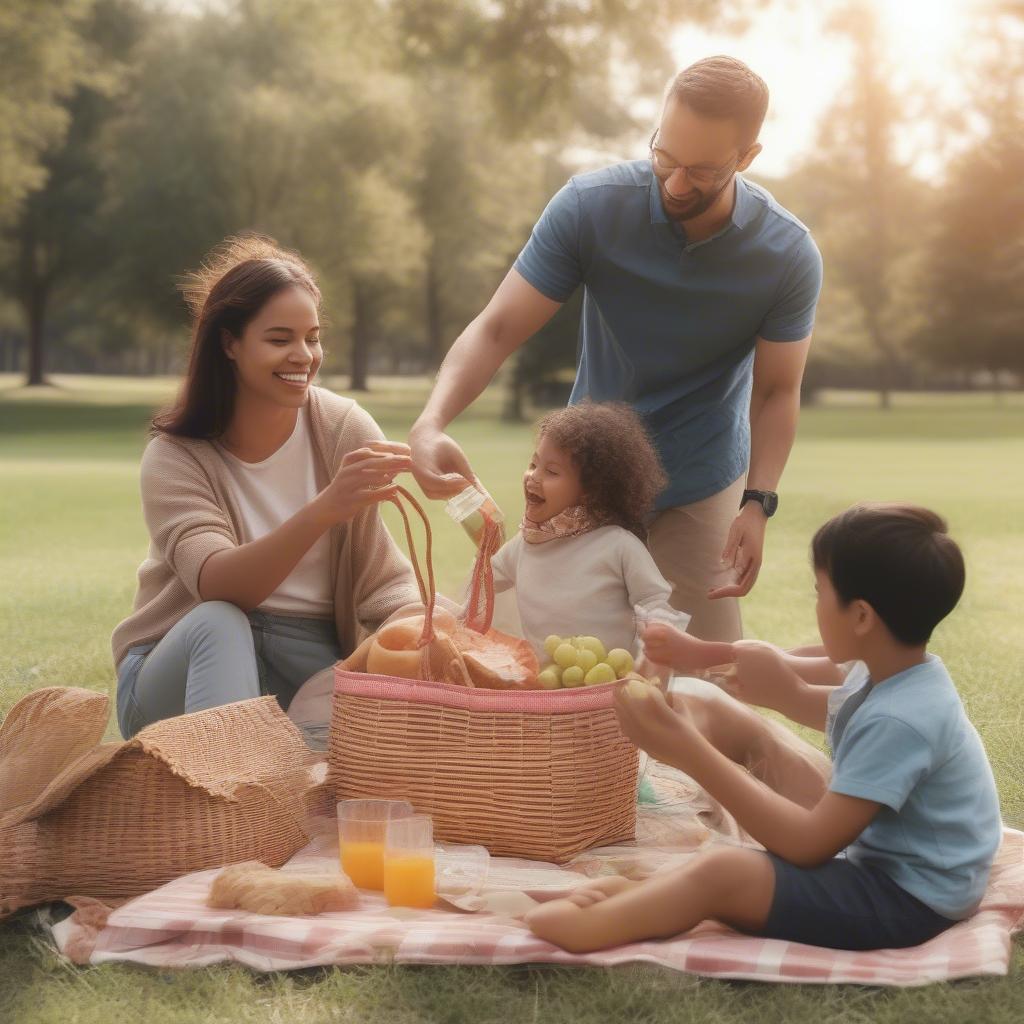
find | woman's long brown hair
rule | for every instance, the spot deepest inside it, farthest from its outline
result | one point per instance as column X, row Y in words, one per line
column 236, row 280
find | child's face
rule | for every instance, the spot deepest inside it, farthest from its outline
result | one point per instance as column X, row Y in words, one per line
column 837, row 624
column 551, row 482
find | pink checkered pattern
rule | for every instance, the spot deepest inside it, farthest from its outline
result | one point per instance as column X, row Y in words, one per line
column 172, row 927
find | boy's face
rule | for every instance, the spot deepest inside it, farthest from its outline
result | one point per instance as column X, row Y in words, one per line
column 838, row 625
column 551, row 483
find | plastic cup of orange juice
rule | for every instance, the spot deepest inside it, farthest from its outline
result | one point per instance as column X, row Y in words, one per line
column 409, row 862
column 362, row 828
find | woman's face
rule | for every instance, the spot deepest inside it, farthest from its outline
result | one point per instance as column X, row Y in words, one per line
column 279, row 353
column 551, row 483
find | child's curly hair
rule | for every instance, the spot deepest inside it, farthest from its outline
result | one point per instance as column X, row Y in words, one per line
column 620, row 473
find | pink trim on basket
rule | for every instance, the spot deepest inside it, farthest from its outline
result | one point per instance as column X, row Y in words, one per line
column 552, row 702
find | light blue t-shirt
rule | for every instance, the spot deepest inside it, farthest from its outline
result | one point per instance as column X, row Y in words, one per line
column 908, row 744
column 670, row 326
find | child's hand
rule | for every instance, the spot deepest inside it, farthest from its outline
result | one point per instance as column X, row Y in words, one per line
column 666, row 645
column 762, row 676
column 666, row 734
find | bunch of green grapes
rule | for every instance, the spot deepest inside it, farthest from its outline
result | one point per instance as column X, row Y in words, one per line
column 582, row 661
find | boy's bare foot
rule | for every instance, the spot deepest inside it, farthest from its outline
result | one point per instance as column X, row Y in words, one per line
column 568, row 922
column 599, row 889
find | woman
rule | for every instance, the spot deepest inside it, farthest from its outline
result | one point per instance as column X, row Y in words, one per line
column 268, row 558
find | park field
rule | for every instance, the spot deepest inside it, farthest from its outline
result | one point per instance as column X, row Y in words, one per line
column 72, row 537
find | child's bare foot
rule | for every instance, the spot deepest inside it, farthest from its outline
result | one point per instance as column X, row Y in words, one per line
column 599, row 889
column 569, row 922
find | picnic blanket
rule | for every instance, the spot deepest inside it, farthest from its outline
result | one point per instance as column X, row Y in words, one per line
column 173, row 927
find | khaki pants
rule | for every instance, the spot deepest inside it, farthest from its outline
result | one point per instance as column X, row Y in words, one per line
column 687, row 544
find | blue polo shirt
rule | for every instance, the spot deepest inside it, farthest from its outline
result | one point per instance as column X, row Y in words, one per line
column 670, row 326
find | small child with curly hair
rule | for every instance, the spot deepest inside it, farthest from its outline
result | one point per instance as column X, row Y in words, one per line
column 579, row 564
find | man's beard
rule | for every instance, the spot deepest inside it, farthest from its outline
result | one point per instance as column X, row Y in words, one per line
column 701, row 204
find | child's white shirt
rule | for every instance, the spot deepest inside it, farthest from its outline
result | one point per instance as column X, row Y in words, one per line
column 588, row 585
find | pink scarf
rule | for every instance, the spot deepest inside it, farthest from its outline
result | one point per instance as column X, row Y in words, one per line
column 570, row 522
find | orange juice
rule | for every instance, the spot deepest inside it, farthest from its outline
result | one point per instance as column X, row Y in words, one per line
column 363, row 862
column 409, row 881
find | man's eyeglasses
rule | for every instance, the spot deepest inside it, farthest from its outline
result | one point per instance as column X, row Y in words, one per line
column 664, row 166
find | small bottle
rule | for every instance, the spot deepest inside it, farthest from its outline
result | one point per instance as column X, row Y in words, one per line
column 470, row 507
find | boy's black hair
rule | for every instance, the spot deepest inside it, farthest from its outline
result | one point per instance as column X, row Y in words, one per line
column 899, row 558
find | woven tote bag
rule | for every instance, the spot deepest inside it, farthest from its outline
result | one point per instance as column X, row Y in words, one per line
column 79, row 817
column 432, row 643
column 531, row 773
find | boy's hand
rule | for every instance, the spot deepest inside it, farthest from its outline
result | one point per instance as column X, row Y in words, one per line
column 666, row 645
column 762, row 676
column 648, row 722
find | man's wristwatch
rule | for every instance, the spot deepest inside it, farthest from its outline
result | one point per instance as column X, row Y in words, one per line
column 768, row 500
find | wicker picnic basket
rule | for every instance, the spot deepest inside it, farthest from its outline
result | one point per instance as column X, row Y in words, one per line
column 525, row 772
column 528, row 773
column 79, row 817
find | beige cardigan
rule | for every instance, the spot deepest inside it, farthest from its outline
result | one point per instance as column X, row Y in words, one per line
column 190, row 514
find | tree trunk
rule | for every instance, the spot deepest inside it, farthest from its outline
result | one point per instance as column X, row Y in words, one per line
column 359, row 356
column 35, row 316
column 435, row 337
column 33, row 293
column 512, row 408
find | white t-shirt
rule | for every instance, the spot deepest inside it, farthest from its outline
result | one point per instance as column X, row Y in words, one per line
column 589, row 585
column 268, row 494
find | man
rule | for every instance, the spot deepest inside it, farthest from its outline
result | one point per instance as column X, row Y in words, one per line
column 699, row 299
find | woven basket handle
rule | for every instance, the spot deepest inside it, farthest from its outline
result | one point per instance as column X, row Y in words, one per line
column 428, row 591
column 480, row 607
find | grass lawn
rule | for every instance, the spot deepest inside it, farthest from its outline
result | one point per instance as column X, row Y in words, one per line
column 71, row 540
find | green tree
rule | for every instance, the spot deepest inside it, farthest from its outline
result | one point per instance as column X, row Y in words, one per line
column 57, row 242
column 976, row 258
column 43, row 59
column 287, row 118
column 868, row 211
column 477, row 195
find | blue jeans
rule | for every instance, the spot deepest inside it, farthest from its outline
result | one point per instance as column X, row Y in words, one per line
column 217, row 654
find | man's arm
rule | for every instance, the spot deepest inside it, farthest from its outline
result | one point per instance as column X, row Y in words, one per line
column 774, row 410
column 516, row 311
column 801, row 836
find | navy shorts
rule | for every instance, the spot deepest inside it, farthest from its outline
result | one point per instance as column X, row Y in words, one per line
column 841, row 905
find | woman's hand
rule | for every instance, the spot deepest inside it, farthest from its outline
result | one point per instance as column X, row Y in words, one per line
column 668, row 735
column 366, row 477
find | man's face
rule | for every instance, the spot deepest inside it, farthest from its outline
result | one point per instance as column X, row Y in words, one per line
column 702, row 155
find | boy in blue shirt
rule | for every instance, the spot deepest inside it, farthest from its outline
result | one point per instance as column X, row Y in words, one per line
column 898, row 844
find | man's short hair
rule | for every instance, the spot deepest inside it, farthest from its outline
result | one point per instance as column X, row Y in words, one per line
column 898, row 558
column 723, row 87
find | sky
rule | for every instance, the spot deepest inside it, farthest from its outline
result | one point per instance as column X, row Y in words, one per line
column 805, row 67
column 929, row 43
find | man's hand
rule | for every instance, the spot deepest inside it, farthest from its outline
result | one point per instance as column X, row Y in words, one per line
column 744, row 550
column 668, row 735
column 439, row 465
